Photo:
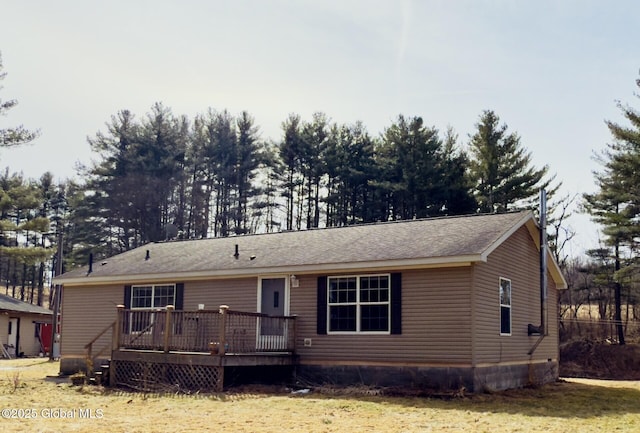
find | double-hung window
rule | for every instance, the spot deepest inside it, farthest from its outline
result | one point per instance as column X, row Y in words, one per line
column 505, row 306
column 153, row 296
column 359, row 303
column 147, row 298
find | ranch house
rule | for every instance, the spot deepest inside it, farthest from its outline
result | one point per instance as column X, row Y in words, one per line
column 439, row 303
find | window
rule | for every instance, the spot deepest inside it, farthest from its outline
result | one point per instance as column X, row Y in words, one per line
column 359, row 303
column 505, row 306
column 147, row 298
column 153, row 296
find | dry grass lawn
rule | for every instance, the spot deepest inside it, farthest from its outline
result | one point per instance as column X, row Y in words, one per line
column 575, row 406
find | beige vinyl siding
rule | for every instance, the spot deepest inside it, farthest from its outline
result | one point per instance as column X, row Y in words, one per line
column 517, row 259
column 239, row 294
column 88, row 310
column 436, row 323
column 85, row 312
column 29, row 344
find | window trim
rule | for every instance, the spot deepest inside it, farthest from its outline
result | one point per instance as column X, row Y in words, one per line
column 153, row 309
column 359, row 304
column 509, row 306
column 153, row 292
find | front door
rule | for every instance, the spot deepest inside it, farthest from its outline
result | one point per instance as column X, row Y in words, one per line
column 12, row 336
column 274, row 301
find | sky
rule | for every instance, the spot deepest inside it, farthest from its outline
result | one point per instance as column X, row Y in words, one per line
column 553, row 71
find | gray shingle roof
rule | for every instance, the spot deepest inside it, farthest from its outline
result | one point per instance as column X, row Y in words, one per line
column 435, row 240
column 7, row 303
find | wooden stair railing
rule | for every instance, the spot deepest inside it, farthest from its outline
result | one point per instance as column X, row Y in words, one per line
column 89, row 356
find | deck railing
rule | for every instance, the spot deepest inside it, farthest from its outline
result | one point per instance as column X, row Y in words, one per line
column 249, row 332
column 218, row 332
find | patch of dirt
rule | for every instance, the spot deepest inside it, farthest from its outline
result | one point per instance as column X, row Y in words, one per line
column 600, row 360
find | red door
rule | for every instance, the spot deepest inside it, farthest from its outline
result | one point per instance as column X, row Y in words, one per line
column 45, row 336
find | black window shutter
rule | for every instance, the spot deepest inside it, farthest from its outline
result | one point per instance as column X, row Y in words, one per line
column 179, row 296
column 396, row 303
column 179, row 304
column 322, row 306
column 127, row 306
column 127, row 297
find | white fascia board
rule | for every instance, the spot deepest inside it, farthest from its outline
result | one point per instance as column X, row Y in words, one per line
column 434, row 262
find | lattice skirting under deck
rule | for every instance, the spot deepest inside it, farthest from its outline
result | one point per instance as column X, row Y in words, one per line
column 167, row 377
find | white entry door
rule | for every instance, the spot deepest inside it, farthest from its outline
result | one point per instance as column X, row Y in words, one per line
column 12, row 336
column 274, row 301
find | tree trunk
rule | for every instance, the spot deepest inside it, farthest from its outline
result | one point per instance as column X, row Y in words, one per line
column 617, row 295
column 316, row 215
column 40, row 285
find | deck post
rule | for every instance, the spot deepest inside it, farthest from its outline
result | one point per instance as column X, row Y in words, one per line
column 167, row 328
column 117, row 328
column 115, row 342
column 295, row 333
column 223, row 322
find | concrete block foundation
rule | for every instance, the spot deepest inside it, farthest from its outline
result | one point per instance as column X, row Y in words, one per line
column 472, row 379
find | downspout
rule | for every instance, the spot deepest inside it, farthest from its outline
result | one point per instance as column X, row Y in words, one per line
column 542, row 329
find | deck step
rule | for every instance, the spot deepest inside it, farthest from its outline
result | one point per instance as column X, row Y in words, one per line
column 101, row 375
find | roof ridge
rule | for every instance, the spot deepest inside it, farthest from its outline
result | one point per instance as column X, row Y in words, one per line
column 367, row 224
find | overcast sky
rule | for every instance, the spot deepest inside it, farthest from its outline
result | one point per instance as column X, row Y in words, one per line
column 552, row 70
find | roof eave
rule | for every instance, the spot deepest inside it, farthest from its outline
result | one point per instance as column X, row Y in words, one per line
column 42, row 313
column 379, row 265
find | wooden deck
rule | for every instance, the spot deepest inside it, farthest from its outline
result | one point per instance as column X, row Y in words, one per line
column 156, row 349
column 198, row 358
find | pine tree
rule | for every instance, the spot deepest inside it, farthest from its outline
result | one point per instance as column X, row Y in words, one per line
column 266, row 205
column 500, row 167
column 351, row 171
column 23, row 250
column 18, row 135
column 616, row 203
column 22, row 229
column 455, row 186
column 290, row 149
column 156, row 160
column 246, row 165
column 201, row 156
column 85, row 226
column 224, row 158
column 108, row 201
column 412, row 162
column 132, row 192
column 314, row 137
